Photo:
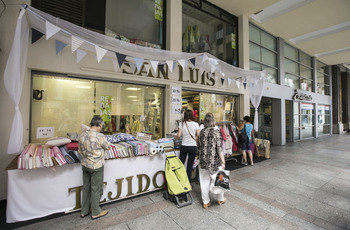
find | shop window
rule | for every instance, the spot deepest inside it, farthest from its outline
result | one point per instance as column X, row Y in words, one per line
column 298, row 69
column 65, row 103
column 263, row 52
column 139, row 22
column 224, row 107
column 206, row 28
column 307, row 120
column 323, row 120
column 323, row 78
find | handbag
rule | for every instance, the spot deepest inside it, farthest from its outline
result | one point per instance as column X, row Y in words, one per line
column 243, row 137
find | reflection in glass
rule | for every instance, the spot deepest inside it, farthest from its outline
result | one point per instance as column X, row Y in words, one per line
column 69, row 102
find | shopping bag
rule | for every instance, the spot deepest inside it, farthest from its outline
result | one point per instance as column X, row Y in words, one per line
column 220, row 181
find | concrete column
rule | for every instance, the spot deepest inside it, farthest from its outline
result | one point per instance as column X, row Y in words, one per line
column 174, row 25
column 243, row 41
column 278, row 122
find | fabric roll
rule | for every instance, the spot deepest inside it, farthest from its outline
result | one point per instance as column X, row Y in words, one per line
column 68, row 158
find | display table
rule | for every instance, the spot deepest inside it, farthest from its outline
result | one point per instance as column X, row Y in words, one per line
column 41, row 192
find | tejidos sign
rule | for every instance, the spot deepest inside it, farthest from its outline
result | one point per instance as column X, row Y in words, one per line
column 301, row 96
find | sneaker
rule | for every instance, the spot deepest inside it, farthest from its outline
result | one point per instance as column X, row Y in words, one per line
column 244, row 163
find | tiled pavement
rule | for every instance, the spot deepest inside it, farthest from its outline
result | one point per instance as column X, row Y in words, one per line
column 305, row 185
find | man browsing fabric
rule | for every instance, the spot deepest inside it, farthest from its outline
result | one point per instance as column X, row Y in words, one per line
column 92, row 146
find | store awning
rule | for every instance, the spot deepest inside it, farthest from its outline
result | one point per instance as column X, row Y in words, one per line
column 85, row 42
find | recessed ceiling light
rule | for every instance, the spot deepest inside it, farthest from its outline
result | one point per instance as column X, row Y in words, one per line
column 132, row 96
column 83, row 87
column 133, row 89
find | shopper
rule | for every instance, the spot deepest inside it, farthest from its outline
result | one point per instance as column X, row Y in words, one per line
column 189, row 130
column 247, row 146
column 92, row 146
column 211, row 157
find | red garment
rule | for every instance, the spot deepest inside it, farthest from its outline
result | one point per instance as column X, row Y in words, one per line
column 223, row 134
column 72, row 146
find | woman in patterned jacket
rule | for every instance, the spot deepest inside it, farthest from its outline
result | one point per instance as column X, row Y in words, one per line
column 211, row 158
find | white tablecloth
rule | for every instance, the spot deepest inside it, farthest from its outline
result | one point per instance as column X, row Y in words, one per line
column 41, row 192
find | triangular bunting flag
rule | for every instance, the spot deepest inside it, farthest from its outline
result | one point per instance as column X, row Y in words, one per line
column 76, row 43
column 148, row 67
column 193, row 62
column 171, row 65
column 139, row 63
column 51, row 29
column 161, row 67
column 132, row 67
column 238, row 83
column 115, row 65
column 121, row 58
column 59, row 46
column 154, row 65
column 204, row 58
column 212, row 68
column 229, row 81
column 100, row 52
column 222, row 81
column 80, row 55
column 36, row 35
column 245, row 83
column 182, row 63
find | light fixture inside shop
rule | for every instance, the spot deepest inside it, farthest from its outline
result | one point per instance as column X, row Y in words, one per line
column 133, row 88
column 83, row 87
column 132, row 96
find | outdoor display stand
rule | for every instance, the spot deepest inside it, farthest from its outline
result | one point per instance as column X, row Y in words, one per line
column 40, row 192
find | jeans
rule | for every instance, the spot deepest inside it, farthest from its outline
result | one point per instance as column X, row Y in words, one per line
column 191, row 152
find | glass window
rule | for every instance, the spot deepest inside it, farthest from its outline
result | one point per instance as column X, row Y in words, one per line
column 269, row 58
column 305, row 59
column 290, row 52
column 204, row 29
column 292, row 81
column 306, row 85
column 255, row 66
column 305, row 72
column 139, row 22
column 69, row 102
column 254, row 52
column 268, row 41
column 224, row 107
column 324, row 119
column 323, row 78
column 291, row 67
column 262, row 48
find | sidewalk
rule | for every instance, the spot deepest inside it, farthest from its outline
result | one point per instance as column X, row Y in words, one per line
column 305, row 185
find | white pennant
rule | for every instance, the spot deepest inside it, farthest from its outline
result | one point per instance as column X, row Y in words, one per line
column 139, row 63
column 170, row 65
column 238, row 83
column 100, row 52
column 76, row 43
column 182, row 63
column 154, row 65
column 148, row 67
column 132, row 66
column 80, row 55
column 204, row 58
column 229, row 81
column 51, row 29
column 115, row 65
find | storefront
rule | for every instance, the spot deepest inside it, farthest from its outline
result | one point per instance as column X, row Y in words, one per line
column 134, row 89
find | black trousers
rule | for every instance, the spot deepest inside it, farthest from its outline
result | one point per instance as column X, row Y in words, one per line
column 189, row 151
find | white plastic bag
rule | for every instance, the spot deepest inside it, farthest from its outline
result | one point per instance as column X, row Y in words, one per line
column 225, row 179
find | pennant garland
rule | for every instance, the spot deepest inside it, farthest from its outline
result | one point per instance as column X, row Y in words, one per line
column 154, row 65
column 161, row 67
column 139, row 63
column 100, row 52
column 51, row 29
column 222, row 81
column 171, row 65
column 193, row 62
column 132, row 67
column 80, row 55
column 121, row 58
column 238, row 84
column 229, row 81
column 148, row 67
column 36, row 35
column 76, row 43
column 59, row 46
column 245, row 83
column 182, row 63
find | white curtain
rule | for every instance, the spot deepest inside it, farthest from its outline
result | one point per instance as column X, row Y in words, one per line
column 13, row 78
column 256, row 88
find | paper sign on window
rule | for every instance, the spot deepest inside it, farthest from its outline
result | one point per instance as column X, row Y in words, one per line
column 106, row 107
